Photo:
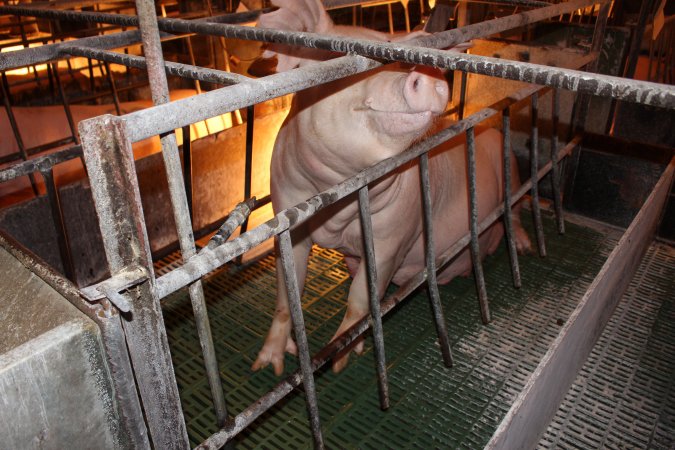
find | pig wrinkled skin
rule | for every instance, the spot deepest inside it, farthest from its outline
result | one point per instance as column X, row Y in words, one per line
column 334, row 131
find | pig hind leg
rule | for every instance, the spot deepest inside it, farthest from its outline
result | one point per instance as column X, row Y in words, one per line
column 523, row 244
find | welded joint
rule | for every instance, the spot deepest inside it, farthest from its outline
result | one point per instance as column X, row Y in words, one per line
column 113, row 287
column 239, row 215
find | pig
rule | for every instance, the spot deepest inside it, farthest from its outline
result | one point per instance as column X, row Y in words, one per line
column 334, row 131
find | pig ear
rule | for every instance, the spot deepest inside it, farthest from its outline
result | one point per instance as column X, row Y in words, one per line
column 295, row 15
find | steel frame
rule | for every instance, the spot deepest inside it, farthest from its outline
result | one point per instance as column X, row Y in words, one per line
column 106, row 144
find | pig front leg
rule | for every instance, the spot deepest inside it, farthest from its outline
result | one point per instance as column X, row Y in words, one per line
column 279, row 340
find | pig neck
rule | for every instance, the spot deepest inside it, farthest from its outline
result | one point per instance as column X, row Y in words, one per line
column 332, row 142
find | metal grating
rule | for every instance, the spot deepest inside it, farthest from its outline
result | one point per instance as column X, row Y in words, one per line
column 624, row 396
column 431, row 406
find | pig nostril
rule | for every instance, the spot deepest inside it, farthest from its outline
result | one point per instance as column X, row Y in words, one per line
column 416, row 83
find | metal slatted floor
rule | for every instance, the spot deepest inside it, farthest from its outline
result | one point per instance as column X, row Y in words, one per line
column 431, row 406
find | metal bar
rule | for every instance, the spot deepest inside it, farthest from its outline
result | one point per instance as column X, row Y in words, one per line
column 163, row 118
column 374, row 297
column 295, row 309
column 15, row 128
column 40, row 163
column 473, row 225
column 555, row 170
column 508, row 222
column 113, row 89
column 59, row 224
column 430, row 257
column 250, row 414
column 114, row 187
column 646, row 7
column 49, row 52
column 160, row 94
column 583, row 101
column 248, row 169
column 187, row 171
column 462, row 95
column 199, row 266
column 534, row 167
column 65, row 103
column 172, row 68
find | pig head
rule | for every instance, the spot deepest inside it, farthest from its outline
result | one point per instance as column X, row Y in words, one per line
column 334, row 131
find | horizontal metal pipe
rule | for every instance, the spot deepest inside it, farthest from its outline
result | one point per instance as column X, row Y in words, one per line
column 209, row 260
column 250, row 414
column 172, row 68
column 39, row 164
column 49, row 52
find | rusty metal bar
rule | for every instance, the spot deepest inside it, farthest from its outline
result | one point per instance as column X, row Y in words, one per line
column 114, row 187
column 555, row 169
column 374, row 297
column 473, row 226
column 160, row 94
column 295, row 309
column 534, row 167
column 59, row 224
column 508, row 222
column 113, row 89
column 430, row 258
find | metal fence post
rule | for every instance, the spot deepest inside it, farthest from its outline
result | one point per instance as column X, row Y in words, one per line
column 114, row 187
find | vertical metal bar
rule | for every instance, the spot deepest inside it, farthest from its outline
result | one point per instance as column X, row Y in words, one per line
column 160, row 94
column 66, row 105
column 462, row 95
column 473, row 222
column 113, row 89
column 187, row 170
column 374, row 296
column 583, row 100
column 59, row 224
column 248, row 169
column 508, row 222
column 114, row 187
column 555, row 168
column 646, row 8
column 295, row 309
column 198, row 86
column 534, row 168
column 430, row 254
column 15, row 128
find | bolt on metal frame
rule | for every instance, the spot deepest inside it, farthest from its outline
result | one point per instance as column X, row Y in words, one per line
column 106, row 144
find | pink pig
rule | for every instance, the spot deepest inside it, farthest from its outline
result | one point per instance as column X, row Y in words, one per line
column 334, row 131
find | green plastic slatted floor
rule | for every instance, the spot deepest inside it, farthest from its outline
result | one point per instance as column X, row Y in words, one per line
column 624, row 395
column 431, row 406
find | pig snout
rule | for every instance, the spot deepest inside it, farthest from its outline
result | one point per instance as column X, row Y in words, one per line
column 424, row 92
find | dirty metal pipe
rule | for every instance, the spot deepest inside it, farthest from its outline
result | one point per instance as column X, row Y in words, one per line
column 374, row 297
column 295, row 309
column 59, row 224
column 430, row 258
column 508, row 222
column 114, row 186
column 66, row 104
column 40, row 163
column 534, row 168
column 160, row 95
column 555, row 169
column 473, row 217
column 172, row 68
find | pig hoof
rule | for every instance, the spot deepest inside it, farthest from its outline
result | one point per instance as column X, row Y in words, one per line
column 273, row 352
column 341, row 359
column 523, row 244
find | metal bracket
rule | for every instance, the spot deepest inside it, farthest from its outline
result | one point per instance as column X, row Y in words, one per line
column 114, row 286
